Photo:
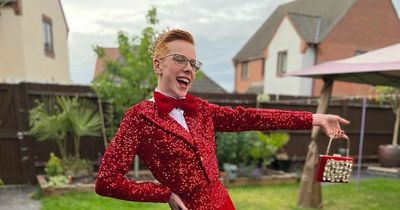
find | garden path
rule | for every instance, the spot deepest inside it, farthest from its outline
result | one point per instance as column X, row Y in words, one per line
column 17, row 198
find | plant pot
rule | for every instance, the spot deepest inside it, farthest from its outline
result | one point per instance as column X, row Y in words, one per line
column 389, row 155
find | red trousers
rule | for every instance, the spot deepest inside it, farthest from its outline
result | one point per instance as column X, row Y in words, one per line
column 228, row 205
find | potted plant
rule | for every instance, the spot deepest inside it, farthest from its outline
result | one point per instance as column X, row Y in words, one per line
column 389, row 155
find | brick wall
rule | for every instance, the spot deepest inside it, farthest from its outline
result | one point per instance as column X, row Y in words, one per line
column 369, row 25
column 254, row 75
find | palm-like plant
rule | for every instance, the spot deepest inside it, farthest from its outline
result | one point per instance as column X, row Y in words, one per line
column 83, row 119
column 48, row 123
column 52, row 121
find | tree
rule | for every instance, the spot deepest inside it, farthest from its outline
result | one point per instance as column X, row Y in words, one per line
column 129, row 79
column 391, row 95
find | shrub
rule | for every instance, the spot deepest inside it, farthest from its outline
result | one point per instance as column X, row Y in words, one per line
column 249, row 148
column 1, row 183
column 234, row 147
column 265, row 147
column 53, row 166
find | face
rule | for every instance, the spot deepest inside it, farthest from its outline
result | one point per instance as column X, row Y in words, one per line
column 173, row 79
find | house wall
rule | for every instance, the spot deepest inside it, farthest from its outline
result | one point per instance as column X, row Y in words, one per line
column 368, row 25
column 286, row 38
column 11, row 50
column 254, row 75
column 24, row 55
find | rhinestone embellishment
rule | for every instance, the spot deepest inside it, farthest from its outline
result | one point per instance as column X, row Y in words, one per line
column 337, row 170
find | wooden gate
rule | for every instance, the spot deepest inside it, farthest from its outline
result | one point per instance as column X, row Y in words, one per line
column 16, row 164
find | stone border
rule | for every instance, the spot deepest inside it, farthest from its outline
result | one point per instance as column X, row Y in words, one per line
column 51, row 191
column 288, row 178
column 384, row 171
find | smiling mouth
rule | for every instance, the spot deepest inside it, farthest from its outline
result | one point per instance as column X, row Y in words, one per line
column 183, row 81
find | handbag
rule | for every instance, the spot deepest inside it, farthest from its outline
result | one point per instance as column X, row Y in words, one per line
column 334, row 168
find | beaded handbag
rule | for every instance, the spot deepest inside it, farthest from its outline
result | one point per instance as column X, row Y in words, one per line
column 334, row 168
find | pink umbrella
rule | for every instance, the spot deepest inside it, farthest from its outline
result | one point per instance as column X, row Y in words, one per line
column 378, row 67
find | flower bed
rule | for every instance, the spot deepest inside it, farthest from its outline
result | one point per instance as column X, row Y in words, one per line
column 82, row 184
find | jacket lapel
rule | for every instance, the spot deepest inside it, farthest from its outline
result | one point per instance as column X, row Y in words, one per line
column 167, row 123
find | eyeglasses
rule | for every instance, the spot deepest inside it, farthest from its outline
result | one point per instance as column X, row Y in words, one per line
column 182, row 61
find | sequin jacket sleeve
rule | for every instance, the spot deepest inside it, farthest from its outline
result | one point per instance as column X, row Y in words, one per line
column 227, row 119
column 111, row 180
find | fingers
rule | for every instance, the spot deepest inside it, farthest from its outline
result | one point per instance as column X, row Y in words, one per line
column 172, row 204
column 338, row 134
column 176, row 203
column 343, row 121
column 182, row 206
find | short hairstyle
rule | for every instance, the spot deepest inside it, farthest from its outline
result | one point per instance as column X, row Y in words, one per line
column 160, row 44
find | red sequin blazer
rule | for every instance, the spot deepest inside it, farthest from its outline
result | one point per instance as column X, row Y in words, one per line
column 183, row 162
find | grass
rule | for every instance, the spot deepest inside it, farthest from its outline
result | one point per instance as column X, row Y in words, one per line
column 373, row 194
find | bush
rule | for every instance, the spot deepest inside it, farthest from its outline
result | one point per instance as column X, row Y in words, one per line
column 249, row 148
column 53, row 166
column 234, row 147
column 1, row 183
column 264, row 149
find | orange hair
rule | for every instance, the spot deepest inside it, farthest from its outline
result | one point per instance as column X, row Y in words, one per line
column 160, row 44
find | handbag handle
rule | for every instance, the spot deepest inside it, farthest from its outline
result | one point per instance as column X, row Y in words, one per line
column 329, row 146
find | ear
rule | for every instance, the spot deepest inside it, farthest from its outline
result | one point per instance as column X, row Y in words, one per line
column 157, row 66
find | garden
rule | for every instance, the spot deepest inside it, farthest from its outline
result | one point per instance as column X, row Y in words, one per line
column 254, row 165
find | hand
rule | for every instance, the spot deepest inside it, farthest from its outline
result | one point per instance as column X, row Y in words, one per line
column 330, row 124
column 176, row 203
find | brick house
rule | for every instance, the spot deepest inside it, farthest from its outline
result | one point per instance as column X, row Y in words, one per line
column 33, row 42
column 304, row 33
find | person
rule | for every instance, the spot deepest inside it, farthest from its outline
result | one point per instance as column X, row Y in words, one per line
column 174, row 134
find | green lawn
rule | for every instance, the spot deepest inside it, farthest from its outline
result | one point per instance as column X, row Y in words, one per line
column 373, row 194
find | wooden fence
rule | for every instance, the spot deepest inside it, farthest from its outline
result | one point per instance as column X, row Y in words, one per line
column 22, row 157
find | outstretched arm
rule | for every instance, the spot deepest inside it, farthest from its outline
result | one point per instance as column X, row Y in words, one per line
column 227, row 119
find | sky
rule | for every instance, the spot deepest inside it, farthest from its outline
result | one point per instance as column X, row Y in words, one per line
column 220, row 28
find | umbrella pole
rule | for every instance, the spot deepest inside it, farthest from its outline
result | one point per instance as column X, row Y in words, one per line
column 310, row 190
column 360, row 148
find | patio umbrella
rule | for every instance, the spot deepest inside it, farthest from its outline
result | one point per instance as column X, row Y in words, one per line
column 378, row 67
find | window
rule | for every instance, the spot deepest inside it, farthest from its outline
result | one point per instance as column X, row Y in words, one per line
column 245, row 71
column 282, row 63
column 48, row 36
